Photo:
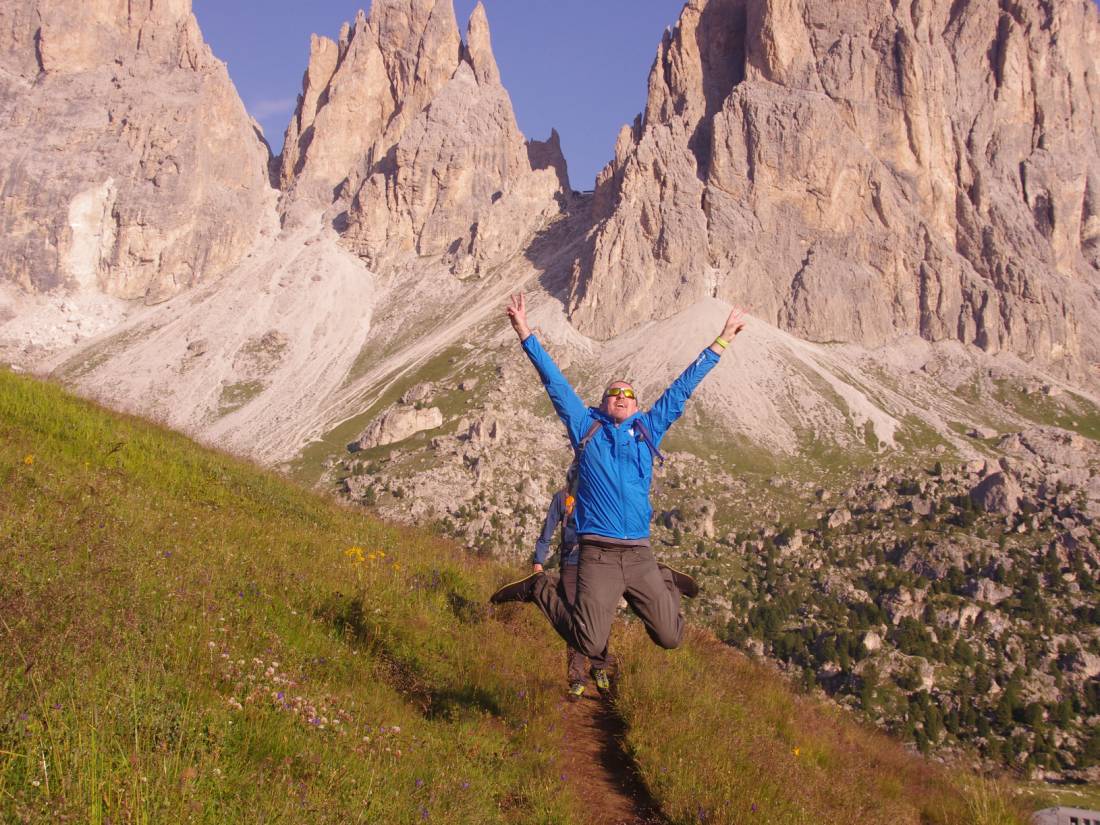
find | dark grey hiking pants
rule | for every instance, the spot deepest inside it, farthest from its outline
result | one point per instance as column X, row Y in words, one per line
column 576, row 663
column 605, row 575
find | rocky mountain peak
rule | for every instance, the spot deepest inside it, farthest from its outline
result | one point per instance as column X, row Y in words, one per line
column 358, row 95
column 479, row 49
column 129, row 166
column 859, row 173
column 412, row 134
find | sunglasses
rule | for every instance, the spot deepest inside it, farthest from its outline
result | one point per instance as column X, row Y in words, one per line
column 615, row 392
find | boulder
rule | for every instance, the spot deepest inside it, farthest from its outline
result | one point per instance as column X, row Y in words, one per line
column 790, row 543
column 933, row 562
column 997, row 493
column 483, row 432
column 988, row 591
column 397, row 424
column 904, row 603
column 982, row 432
column 357, row 486
column 922, row 506
column 417, row 393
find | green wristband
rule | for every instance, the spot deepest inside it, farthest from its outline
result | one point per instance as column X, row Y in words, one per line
column 722, row 342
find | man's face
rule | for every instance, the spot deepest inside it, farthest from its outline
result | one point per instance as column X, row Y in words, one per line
column 616, row 403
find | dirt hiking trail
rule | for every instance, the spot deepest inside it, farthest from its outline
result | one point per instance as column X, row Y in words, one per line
column 597, row 768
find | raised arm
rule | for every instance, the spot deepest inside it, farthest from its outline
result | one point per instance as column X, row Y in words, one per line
column 567, row 404
column 670, row 405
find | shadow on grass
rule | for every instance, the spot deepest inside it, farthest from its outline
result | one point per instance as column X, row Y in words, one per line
column 466, row 610
column 349, row 616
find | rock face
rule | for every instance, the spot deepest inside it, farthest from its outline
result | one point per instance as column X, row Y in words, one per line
column 413, row 132
column 856, row 172
column 127, row 161
column 397, row 424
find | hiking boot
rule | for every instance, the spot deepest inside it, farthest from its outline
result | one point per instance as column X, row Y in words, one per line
column 518, row 591
column 603, row 681
column 684, row 583
column 576, row 691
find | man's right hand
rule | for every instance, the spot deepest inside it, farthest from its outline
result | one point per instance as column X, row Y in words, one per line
column 536, row 568
column 517, row 314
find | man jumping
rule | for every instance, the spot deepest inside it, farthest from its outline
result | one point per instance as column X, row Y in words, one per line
column 615, row 446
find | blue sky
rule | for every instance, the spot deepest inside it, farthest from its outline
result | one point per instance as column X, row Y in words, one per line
column 580, row 66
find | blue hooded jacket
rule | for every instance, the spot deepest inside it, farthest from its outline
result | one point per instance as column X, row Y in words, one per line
column 616, row 466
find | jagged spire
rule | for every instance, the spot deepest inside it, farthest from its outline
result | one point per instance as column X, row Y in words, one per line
column 480, row 49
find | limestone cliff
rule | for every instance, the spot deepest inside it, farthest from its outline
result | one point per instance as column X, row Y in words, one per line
column 127, row 161
column 412, row 131
column 856, row 172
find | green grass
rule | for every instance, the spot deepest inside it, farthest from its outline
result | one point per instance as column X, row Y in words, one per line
column 187, row 638
column 1068, row 410
column 234, row 396
column 148, row 588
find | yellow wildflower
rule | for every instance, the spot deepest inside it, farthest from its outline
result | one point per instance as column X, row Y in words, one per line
column 796, row 751
column 29, row 460
column 355, row 554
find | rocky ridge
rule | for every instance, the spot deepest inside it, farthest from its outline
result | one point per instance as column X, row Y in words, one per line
column 863, row 172
column 128, row 164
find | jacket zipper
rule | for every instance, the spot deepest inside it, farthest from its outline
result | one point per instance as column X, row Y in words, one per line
column 619, row 469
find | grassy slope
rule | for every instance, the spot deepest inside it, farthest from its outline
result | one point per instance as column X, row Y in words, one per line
column 188, row 638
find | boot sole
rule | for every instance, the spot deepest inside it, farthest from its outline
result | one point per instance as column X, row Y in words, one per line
column 501, row 596
column 684, row 583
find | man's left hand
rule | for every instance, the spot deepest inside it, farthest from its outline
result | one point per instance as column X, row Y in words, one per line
column 734, row 324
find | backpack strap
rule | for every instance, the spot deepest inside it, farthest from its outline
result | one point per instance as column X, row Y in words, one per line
column 643, row 430
column 588, row 436
column 573, row 475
